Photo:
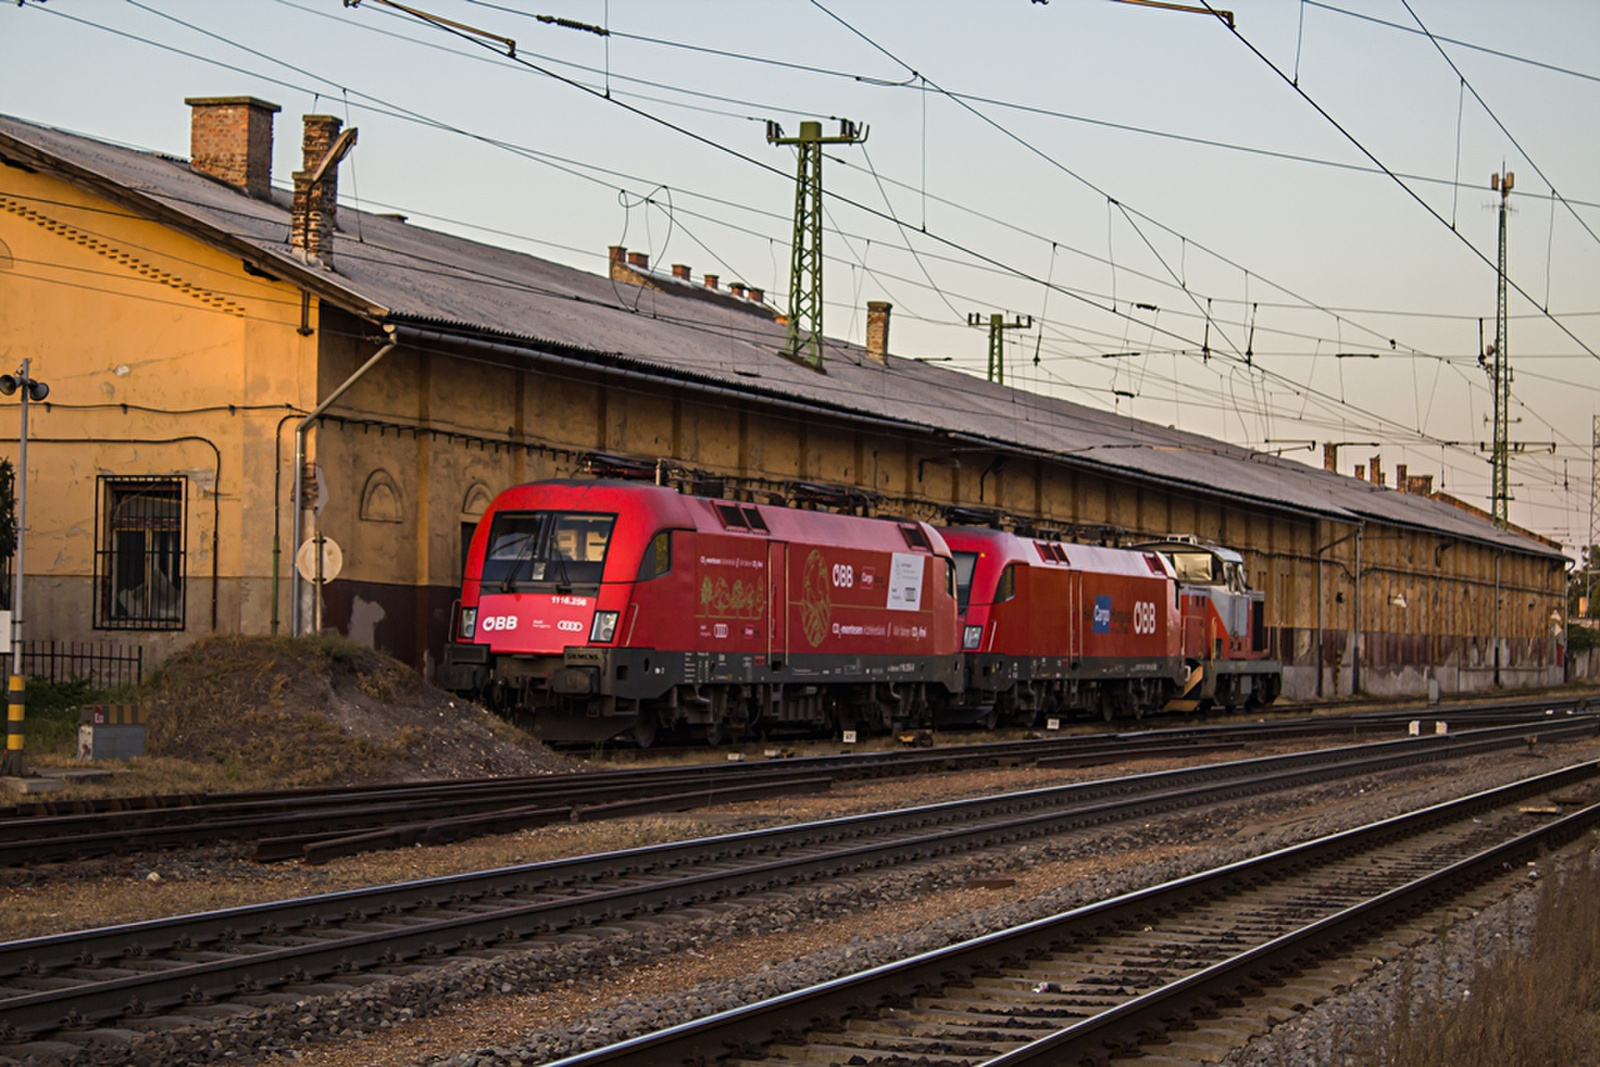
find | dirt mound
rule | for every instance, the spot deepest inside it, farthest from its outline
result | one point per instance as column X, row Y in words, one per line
column 313, row 710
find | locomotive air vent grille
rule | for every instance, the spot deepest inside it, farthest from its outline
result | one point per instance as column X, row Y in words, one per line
column 916, row 538
column 1051, row 552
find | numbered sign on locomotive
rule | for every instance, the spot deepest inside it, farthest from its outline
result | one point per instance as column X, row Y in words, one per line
column 605, row 609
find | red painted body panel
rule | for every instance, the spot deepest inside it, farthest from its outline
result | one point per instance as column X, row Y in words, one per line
column 1093, row 603
column 809, row 583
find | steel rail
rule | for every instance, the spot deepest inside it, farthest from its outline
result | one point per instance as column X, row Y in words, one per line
column 745, row 1030
column 867, row 763
column 1126, row 1025
column 917, row 833
column 350, row 812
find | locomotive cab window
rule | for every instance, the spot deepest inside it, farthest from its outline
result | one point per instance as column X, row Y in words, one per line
column 1200, row 568
column 1237, row 581
column 559, row 551
column 657, row 557
column 1006, row 588
column 965, row 563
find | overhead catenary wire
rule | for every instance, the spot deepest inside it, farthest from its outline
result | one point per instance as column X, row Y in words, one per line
column 1048, row 283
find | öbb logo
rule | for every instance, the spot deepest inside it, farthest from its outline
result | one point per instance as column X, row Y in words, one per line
column 499, row 622
column 1144, row 617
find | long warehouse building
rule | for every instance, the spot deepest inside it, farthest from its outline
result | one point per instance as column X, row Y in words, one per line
column 243, row 375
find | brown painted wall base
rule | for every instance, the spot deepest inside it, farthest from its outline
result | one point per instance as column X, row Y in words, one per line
column 412, row 622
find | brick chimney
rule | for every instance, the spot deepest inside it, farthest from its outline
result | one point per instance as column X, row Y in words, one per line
column 711, row 281
column 737, row 289
column 639, row 261
column 878, row 330
column 1400, row 482
column 314, row 215
column 230, row 138
column 680, row 271
column 1361, row 472
column 757, row 296
column 1377, row 470
column 1330, row 456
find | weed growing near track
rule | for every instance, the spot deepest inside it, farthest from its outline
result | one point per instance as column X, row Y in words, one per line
column 1534, row 1009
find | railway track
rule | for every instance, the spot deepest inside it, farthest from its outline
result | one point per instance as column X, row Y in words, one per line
column 320, row 824
column 62, row 992
column 1143, row 973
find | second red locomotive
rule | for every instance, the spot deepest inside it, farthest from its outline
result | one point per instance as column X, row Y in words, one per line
column 1052, row 628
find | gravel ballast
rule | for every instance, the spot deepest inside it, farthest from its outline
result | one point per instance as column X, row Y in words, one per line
column 605, row 984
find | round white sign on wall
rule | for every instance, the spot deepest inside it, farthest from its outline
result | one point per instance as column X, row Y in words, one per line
column 305, row 560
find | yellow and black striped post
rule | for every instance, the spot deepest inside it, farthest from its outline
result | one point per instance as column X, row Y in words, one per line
column 16, row 702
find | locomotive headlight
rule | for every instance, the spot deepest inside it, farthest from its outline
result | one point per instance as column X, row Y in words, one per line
column 469, row 623
column 604, row 627
column 971, row 638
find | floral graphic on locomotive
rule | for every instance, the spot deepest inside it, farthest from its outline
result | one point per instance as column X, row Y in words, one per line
column 816, row 602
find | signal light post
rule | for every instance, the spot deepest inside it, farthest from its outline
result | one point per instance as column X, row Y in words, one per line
column 31, row 389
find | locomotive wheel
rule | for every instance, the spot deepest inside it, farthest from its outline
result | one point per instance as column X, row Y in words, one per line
column 715, row 732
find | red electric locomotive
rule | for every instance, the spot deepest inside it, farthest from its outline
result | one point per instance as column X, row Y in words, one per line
column 607, row 608
column 1051, row 628
column 1224, row 631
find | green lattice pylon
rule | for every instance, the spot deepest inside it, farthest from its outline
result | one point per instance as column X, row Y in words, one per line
column 805, row 262
column 997, row 339
column 1500, row 374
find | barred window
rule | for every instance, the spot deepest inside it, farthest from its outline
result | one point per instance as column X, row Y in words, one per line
column 140, row 562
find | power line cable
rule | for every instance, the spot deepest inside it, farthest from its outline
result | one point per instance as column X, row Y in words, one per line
column 1364, row 150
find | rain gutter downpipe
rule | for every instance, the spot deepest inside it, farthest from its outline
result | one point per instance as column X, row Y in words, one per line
column 300, row 431
column 1320, row 594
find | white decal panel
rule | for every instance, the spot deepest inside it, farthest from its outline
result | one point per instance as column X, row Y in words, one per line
column 905, row 581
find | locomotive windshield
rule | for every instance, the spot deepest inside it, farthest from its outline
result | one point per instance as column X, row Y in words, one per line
column 965, row 563
column 562, row 550
column 1199, row 567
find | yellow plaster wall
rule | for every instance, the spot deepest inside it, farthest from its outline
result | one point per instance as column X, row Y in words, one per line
column 143, row 333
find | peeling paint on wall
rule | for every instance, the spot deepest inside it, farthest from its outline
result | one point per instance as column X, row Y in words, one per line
column 365, row 615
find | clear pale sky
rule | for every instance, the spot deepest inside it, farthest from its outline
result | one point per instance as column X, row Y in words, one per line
column 1080, row 162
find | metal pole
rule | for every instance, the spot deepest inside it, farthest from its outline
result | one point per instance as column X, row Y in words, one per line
column 1355, row 648
column 16, row 692
column 300, row 432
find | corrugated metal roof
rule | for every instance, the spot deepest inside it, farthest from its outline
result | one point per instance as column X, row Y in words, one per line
column 406, row 273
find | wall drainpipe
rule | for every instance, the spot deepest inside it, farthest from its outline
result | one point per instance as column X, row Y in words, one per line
column 300, row 431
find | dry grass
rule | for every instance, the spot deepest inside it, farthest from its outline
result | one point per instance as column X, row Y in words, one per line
column 241, row 704
column 1534, row 1009
column 233, row 712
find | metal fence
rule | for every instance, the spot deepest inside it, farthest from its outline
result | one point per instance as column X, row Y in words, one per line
column 102, row 664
